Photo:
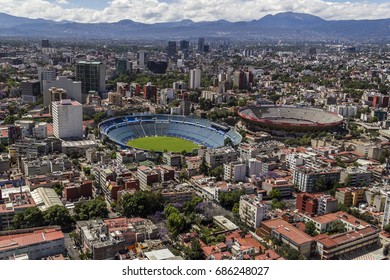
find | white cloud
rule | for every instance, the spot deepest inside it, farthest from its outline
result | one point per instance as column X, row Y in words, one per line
column 150, row 11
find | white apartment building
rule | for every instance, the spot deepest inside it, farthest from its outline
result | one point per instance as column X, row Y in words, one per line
column 195, row 78
column 67, row 119
column 252, row 210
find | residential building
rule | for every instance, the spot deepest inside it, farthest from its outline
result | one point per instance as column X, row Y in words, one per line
column 67, row 119
column 355, row 177
column 235, row 171
column 219, row 156
column 195, row 78
column 252, row 210
column 286, row 189
column 312, row 180
column 350, row 196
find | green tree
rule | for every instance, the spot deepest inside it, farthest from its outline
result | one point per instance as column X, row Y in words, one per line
column 310, row 228
column 58, row 188
column 275, row 193
column 204, row 169
column 92, row 209
column 189, row 206
column 217, row 172
column 236, row 208
column 10, row 119
column 141, row 204
column 194, row 252
column 338, row 227
column 228, row 142
column 31, row 217
column 230, row 198
column 387, row 228
column 175, row 224
column 58, row 215
column 170, row 209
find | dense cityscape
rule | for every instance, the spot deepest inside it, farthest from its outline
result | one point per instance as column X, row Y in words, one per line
column 196, row 149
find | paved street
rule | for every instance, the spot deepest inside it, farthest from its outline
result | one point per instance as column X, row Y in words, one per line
column 69, row 244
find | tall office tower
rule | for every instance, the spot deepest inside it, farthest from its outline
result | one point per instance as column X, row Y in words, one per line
column 386, row 212
column 67, row 119
column 45, row 44
column 46, row 74
column 243, row 79
column 72, row 88
column 141, row 58
column 92, row 75
column 171, row 48
column 121, row 66
column 200, row 45
column 184, row 45
column 195, row 78
column 30, row 91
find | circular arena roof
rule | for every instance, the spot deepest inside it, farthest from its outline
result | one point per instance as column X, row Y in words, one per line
column 290, row 117
column 200, row 131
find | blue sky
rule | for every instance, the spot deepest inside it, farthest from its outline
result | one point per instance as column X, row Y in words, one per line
column 150, row 11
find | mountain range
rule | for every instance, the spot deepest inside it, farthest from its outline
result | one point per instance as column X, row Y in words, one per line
column 286, row 26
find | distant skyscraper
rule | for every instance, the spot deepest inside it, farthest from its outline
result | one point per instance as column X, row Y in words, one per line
column 195, row 78
column 121, row 66
column 200, row 45
column 150, row 92
column 141, row 58
column 171, row 48
column 45, row 44
column 67, row 119
column 184, row 45
column 92, row 75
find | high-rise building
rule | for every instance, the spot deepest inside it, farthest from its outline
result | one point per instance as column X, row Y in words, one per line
column 67, row 119
column 45, row 44
column 72, row 88
column 31, row 91
column 141, row 58
column 200, row 45
column 386, row 212
column 195, row 78
column 243, row 79
column 46, row 75
column 184, row 45
column 171, row 48
column 121, row 66
column 92, row 75
column 150, row 92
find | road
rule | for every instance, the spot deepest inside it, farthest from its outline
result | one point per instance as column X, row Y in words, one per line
column 69, row 244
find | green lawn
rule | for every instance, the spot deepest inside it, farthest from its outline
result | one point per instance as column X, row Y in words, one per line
column 162, row 143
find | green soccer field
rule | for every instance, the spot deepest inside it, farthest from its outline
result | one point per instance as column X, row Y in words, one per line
column 162, row 143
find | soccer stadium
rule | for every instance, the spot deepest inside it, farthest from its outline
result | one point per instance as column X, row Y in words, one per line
column 202, row 132
column 289, row 118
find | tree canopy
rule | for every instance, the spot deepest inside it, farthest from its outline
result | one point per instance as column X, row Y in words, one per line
column 91, row 209
column 141, row 204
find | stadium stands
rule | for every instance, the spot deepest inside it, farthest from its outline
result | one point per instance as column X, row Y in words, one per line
column 200, row 131
column 291, row 117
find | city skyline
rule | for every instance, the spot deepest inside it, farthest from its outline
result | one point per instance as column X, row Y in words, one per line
column 152, row 11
